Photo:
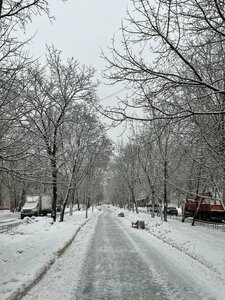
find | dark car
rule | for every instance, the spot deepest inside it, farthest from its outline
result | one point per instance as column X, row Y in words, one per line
column 121, row 214
column 171, row 210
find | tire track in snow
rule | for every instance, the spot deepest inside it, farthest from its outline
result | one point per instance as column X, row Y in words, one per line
column 116, row 270
column 171, row 293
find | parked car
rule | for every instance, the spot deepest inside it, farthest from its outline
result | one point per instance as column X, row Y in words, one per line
column 121, row 214
column 157, row 207
column 172, row 210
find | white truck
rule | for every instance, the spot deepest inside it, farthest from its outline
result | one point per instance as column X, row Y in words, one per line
column 37, row 205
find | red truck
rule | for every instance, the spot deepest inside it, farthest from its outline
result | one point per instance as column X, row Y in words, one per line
column 203, row 207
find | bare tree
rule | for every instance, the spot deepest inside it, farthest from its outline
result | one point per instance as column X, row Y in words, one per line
column 85, row 147
column 167, row 31
column 116, row 191
column 128, row 166
column 52, row 94
column 14, row 61
column 185, row 76
column 149, row 169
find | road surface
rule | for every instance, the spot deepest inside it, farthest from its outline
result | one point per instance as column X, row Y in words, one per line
column 121, row 265
column 116, row 261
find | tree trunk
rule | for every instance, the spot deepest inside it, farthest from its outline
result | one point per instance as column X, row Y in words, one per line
column 196, row 211
column 62, row 212
column 199, row 174
column 76, row 198
column 134, row 201
column 54, row 188
column 66, row 200
column 87, row 205
column 71, row 208
column 22, row 199
column 223, row 153
column 223, row 188
column 165, row 200
column 1, row 2
column 153, row 204
column 129, row 203
column 78, row 204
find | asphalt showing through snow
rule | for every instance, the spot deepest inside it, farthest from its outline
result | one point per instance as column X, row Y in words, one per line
column 119, row 265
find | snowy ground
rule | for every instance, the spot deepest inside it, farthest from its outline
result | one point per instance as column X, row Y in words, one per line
column 205, row 245
column 28, row 249
column 6, row 216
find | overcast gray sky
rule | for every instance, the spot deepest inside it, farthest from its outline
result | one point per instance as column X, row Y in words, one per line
column 81, row 29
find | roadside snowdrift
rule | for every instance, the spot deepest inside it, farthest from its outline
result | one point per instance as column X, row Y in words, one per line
column 29, row 249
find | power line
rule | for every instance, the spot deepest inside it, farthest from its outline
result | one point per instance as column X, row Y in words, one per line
column 112, row 95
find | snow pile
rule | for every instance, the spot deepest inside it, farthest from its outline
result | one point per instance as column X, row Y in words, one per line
column 205, row 245
column 29, row 249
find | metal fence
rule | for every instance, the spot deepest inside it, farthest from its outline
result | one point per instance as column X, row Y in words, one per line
column 213, row 225
column 8, row 227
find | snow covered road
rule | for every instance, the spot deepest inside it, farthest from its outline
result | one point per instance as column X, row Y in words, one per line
column 111, row 260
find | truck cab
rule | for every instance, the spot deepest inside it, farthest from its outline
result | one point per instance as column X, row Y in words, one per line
column 31, row 207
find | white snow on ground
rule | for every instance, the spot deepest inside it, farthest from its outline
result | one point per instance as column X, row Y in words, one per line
column 62, row 280
column 7, row 216
column 206, row 245
column 29, row 248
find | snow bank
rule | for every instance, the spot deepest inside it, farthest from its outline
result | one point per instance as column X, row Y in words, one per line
column 29, row 249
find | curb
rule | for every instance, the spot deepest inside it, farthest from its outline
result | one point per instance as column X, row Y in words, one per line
column 21, row 292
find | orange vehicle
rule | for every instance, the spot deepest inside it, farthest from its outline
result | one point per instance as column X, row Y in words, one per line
column 203, row 207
